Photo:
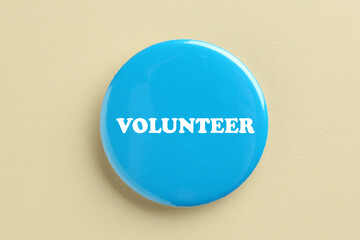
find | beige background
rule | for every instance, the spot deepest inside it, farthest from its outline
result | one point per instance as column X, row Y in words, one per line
column 58, row 57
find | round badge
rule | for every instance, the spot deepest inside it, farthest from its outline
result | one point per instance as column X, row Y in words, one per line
column 184, row 123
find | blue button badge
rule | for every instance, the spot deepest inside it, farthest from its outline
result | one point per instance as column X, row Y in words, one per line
column 184, row 123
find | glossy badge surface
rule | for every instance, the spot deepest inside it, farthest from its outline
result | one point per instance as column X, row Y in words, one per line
column 184, row 123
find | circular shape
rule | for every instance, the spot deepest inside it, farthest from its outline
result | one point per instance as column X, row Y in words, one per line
column 184, row 123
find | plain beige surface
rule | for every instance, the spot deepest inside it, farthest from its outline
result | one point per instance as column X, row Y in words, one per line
column 58, row 57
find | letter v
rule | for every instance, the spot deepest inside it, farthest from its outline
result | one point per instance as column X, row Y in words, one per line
column 124, row 127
